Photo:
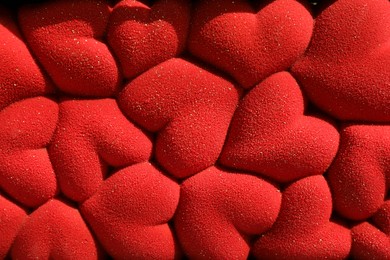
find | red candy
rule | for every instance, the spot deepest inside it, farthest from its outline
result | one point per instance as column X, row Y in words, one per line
column 208, row 129
column 359, row 177
column 55, row 230
column 20, row 76
column 11, row 219
column 249, row 44
column 382, row 218
column 270, row 135
column 219, row 211
column 346, row 70
column 143, row 36
column 369, row 243
column 303, row 229
column 66, row 37
column 129, row 213
column 103, row 136
column 189, row 107
column 26, row 172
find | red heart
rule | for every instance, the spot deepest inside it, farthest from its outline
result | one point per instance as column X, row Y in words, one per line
column 369, row 243
column 249, row 45
column 270, row 135
column 382, row 217
column 219, row 211
column 346, row 70
column 20, row 76
column 54, row 231
column 66, row 38
column 302, row 229
column 360, row 175
column 92, row 134
column 130, row 211
column 143, row 36
column 11, row 219
column 26, row 129
column 188, row 106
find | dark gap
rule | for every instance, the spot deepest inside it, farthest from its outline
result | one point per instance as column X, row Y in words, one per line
column 313, row 110
column 124, row 82
column 189, row 29
column 244, row 93
column 364, row 122
column 251, row 256
column 111, row 170
column 280, row 185
column 8, row 256
column 179, row 249
column 250, row 240
column 62, row 96
column 15, row 4
column 258, row 5
column 103, row 167
column 107, row 257
column 318, row 6
column 61, row 197
column 371, row 221
column 148, row 3
column 343, row 221
column 112, row 3
column 12, row 10
column 165, row 172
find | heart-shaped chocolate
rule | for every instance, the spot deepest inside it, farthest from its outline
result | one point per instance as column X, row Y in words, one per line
column 346, row 69
column 103, row 137
column 271, row 136
column 164, row 129
column 382, row 217
column 360, row 175
column 189, row 107
column 143, row 36
column 66, row 37
column 11, row 219
column 20, row 76
column 303, row 229
column 26, row 172
column 130, row 211
column 54, row 231
column 219, row 211
column 368, row 242
column 249, row 45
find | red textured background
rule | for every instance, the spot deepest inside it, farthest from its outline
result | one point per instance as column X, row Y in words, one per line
column 206, row 129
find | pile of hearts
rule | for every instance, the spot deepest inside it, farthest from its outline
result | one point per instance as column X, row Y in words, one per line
column 207, row 129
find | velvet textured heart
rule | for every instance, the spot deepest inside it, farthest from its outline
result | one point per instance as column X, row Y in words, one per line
column 66, row 37
column 270, row 134
column 207, row 129
column 143, row 36
column 346, row 69
column 250, row 45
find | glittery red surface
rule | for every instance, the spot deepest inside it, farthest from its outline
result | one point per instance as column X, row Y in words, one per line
column 208, row 129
